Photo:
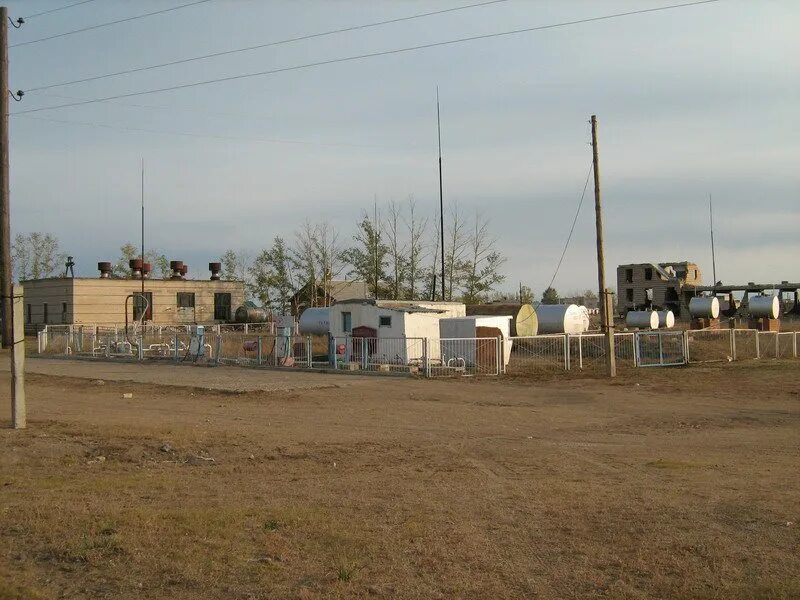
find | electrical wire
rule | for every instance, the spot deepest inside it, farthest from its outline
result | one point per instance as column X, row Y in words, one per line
column 110, row 23
column 201, row 135
column 363, row 56
column 572, row 229
column 52, row 10
column 259, row 46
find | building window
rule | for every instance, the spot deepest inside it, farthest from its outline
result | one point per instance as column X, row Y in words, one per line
column 30, row 315
column 629, row 275
column 347, row 322
column 385, row 321
column 44, row 312
column 185, row 299
column 629, row 294
column 648, row 273
column 64, row 312
column 143, row 305
column 222, row 306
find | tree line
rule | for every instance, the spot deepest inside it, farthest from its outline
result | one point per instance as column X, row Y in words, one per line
column 395, row 251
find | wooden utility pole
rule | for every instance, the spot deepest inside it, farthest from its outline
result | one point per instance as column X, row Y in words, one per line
column 606, row 305
column 6, row 310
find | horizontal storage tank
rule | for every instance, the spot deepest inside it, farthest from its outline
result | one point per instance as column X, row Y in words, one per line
column 704, row 307
column 523, row 317
column 249, row 314
column 315, row 321
column 562, row 318
column 642, row 319
column 765, row 306
column 666, row 319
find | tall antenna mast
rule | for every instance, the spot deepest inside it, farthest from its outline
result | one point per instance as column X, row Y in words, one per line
column 142, row 270
column 441, row 197
column 711, row 221
column 377, row 237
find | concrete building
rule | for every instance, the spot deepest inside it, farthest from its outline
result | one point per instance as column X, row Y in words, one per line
column 66, row 300
column 665, row 286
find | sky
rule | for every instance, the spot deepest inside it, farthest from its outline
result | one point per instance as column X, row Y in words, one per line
column 690, row 102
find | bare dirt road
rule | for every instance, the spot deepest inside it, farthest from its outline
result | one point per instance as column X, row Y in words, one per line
column 330, row 486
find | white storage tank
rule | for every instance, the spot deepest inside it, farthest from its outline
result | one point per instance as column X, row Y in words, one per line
column 666, row 319
column 765, row 306
column 642, row 319
column 315, row 321
column 562, row 318
column 704, row 307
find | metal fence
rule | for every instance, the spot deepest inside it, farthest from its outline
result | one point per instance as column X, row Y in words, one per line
column 429, row 357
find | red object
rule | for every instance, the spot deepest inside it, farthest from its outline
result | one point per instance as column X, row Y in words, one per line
column 340, row 349
column 250, row 345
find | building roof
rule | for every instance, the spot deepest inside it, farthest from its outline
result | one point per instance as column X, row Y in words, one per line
column 404, row 306
column 348, row 290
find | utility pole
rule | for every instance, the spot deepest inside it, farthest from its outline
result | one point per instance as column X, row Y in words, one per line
column 441, row 195
column 606, row 304
column 711, row 220
column 6, row 310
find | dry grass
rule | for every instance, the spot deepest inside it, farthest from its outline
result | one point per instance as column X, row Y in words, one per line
column 674, row 483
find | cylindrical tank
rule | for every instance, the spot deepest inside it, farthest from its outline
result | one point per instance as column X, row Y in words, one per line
column 765, row 306
column 249, row 314
column 704, row 307
column 315, row 321
column 561, row 318
column 666, row 319
column 523, row 317
column 642, row 319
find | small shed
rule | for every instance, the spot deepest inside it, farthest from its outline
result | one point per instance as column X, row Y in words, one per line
column 393, row 331
column 459, row 337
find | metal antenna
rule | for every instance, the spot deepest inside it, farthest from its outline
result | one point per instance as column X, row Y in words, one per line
column 441, row 197
column 142, row 270
column 713, row 258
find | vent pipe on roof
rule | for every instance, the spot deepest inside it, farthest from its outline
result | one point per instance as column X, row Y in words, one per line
column 136, row 268
column 105, row 269
column 176, row 266
column 215, row 269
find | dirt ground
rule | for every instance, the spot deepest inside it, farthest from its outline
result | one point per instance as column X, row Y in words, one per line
column 678, row 483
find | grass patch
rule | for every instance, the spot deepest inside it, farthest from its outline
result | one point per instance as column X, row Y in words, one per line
column 345, row 572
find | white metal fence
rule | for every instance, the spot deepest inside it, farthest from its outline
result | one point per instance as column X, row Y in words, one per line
column 429, row 357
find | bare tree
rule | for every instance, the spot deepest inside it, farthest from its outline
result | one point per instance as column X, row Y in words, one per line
column 397, row 249
column 304, row 255
column 327, row 256
column 35, row 255
column 129, row 251
column 482, row 267
column 368, row 257
column 432, row 274
column 457, row 234
column 416, row 250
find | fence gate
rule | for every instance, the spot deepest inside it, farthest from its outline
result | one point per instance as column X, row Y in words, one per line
column 660, row 348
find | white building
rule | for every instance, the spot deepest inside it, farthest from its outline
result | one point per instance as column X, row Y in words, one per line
column 393, row 329
column 458, row 339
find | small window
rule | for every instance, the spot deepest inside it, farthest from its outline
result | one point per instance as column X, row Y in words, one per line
column 629, row 275
column 30, row 315
column 185, row 299
column 629, row 294
column 44, row 311
column 347, row 322
column 385, row 321
column 648, row 273
column 64, row 312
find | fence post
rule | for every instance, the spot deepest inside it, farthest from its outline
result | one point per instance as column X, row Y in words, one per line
column 141, row 347
column 777, row 345
column 580, row 352
column 566, row 352
column 758, row 345
column 258, row 350
column 108, row 346
column 309, row 352
column 660, row 348
column 686, row 345
column 733, row 344
column 498, row 346
column 794, row 345
column 426, row 357
column 364, row 353
column 217, row 349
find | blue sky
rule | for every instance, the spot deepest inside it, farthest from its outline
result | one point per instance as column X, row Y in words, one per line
column 692, row 101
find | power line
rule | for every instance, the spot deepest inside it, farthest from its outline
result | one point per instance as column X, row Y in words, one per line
column 571, row 229
column 363, row 56
column 201, row 135
column 264, row 45
column 110, row 23
column 52, row 10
